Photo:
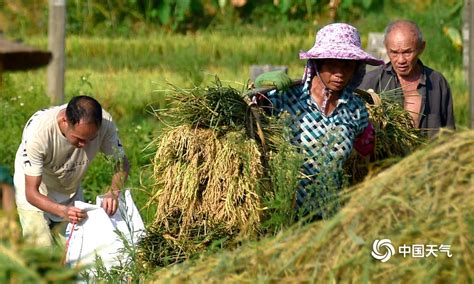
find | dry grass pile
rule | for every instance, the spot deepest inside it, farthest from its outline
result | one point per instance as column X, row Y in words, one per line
column 395, row 135
column 427, row 199
column 22, row 263
column 223, row 173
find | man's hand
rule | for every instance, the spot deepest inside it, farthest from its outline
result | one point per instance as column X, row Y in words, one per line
column 73, row 214
column 278, row 79
column 110, row 202
column 68, row 213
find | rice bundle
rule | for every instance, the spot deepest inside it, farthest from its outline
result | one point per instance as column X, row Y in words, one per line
column 223, row 172
column 217, row 107
column 395, row 135
column 425, row 200
column 208, row 180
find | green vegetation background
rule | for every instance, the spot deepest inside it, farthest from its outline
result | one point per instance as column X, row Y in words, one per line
column 126, row 52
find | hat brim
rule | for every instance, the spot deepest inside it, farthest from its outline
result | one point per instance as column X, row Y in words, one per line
column 347, row 52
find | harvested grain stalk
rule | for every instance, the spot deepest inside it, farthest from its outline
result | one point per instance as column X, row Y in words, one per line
column 223, row 171
column 208, row 180
column 427, row 199
column 395, row 136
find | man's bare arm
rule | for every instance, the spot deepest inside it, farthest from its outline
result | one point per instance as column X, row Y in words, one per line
column 110, row 201
column 33, row 196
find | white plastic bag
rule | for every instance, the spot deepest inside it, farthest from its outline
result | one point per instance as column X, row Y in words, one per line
column 98, row 235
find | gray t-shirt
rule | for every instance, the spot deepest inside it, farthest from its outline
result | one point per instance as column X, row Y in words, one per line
column 45, row 152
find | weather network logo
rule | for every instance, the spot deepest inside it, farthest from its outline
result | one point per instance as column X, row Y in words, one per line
column 382, row 250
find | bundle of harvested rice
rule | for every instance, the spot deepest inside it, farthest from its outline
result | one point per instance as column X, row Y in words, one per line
column 208, row 179
column 223, row 170
column 421, row 210
column 395, row 135
column 217, row 107
column 223, row 109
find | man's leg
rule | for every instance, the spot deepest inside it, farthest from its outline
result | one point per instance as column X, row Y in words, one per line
column 35, row 228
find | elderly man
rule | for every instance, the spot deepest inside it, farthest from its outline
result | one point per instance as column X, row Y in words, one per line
column 57, row 147
column 426, row 93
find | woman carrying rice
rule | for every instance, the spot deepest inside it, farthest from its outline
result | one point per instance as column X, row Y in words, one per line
column 327, row 119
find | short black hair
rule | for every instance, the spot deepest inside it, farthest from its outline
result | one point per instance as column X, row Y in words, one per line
column 85, row 109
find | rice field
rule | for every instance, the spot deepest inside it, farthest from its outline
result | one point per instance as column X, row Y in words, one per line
column 132, row 69
column 131, row 77
column 408, row 206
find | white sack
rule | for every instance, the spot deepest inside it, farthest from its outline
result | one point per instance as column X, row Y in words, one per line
column 97, row 234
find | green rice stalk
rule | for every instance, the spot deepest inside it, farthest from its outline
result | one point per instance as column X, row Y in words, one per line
column 395, row 137
column 215, row 107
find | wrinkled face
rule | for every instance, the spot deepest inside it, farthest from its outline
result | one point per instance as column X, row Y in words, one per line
column 403, row 51
column 81, row 134
column 336, row 73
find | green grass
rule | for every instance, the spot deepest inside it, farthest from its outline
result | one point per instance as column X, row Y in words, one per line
column 185, row 58
column 130, row 75
column 131, row 68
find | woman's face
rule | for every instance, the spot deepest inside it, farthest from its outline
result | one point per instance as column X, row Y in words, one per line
column 336, row 73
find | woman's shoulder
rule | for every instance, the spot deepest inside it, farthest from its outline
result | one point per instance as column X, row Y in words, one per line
column 297, row 90
column 355, row 104
column 353, row 99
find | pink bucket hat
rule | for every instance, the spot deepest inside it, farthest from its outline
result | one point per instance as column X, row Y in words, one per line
column 339, row 41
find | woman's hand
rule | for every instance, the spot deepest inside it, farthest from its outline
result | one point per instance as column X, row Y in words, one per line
column 278, row 79
column 365, row 142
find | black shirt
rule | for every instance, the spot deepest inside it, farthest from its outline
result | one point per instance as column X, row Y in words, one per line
column 436, row 103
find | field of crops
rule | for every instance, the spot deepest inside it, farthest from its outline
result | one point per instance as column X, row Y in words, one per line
column 132, row 73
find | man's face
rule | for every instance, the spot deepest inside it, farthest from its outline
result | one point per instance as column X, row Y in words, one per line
column 81, row 134
column 403, row 51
